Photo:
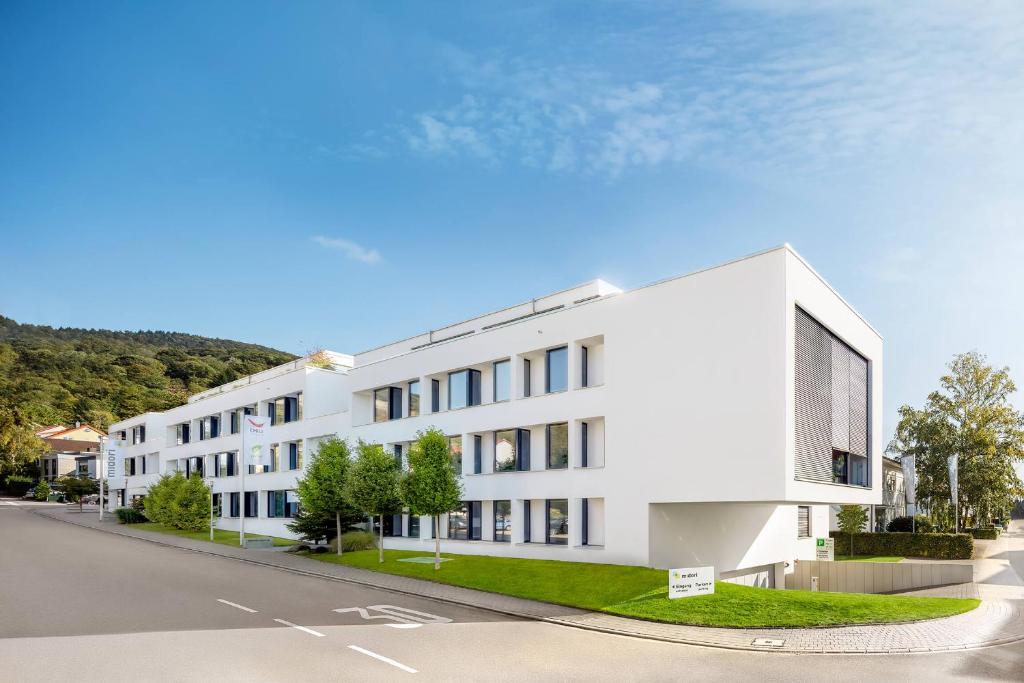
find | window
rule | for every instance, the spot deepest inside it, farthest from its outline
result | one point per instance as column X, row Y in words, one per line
column 414, row 398
column 292, row 408
column 295, row 455
column 527, row 521
column 858, row 469
column 182, row 433
column 584, row 521
column 252, row 504
column 272, row 412
column 558, row 446
column 463, row 389
column 414, row 526
column 214, row 426
column 129, row 467
column 584, row 361
column 557, row 522
column 398, row 454
column 803, row 521
column 840, row 475
column 527, row 372
column 232, row 463
column 464, row 521
column 382, row 405
column 217, row 511
column 435, row 395
column 233, row 426
column 282, row 504
column 233, row 505
column 502, row 380
column 584, row 446
column 503, row 521
column 455, row 447
column 478, row 447
column 556, row 370
column 512, row 450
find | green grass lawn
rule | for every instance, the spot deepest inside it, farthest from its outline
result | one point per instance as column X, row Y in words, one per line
column 868, row 558
column 643, row 593
column 222, row 536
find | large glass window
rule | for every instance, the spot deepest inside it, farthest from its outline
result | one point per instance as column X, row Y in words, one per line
column 858, row 468
column 556, row 370
column 503, row 521
column 505, row 450
column 414, row 526
column 414, row 398
column 463, row 389
column 558, row 521
column 458, row 522
column 502, row 380
column 295, row 455
column 455, row 447
column 252, row 504
column 233, row 510
column 558, row 446
column 282, row 504
column 840, row 474
column 382, row 405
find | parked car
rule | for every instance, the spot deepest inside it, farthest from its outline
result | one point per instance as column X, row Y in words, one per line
column 30, row 494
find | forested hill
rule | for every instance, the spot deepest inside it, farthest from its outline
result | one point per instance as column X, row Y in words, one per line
column 58, row 375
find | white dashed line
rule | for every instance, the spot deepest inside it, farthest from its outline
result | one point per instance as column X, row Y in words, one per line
column 235, row 604
column 301, row 628
column 384, row 659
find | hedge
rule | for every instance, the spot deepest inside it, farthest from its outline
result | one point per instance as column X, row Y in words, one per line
column 989, row 534
column 935, row 546
column 130, row 516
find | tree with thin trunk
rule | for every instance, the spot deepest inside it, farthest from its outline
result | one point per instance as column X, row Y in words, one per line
column 321, row 490
column 77, row 488
column 373, row 485
column 431, row 486
column 851, row 519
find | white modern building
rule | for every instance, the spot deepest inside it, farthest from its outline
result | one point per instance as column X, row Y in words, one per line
column 708, row 419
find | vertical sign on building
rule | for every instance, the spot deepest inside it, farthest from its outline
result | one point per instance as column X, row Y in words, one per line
column 113, row 462
column 953, row 464
column 909, row 481
column 255, row 440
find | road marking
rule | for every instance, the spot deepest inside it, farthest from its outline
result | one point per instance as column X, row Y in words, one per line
column 301, row 628
column 406, row 618
column 386, row 660
column 9, row 502
column 235, row 604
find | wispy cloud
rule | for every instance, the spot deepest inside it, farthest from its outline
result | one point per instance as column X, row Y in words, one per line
column 349, row 248
column 777, row 84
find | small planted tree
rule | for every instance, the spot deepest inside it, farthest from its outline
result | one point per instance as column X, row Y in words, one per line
column 160, row 498
column 190, row 505
column 322, row 490
column 76, row 489
column 431, row 487
column 373, row 485
column 42, row 490
column 852, row 519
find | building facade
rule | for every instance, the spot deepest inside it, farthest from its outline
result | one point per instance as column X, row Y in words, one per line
column 708, row 419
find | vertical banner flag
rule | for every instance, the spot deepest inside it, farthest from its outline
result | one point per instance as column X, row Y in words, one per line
column 113, row 462
column 909, row 479
column 953, row 465
column 255, row 440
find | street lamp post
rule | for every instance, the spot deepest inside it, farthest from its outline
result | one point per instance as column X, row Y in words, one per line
column 209, row 484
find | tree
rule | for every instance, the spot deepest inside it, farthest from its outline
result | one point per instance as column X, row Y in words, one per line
column 160, row 498
column 190, row 505
column 851, row 519
column 75, row 488
column 970, row 417
column 431, row 486
column 19, row 445
column 42, row 491
column 322, row 489
column 373, row 485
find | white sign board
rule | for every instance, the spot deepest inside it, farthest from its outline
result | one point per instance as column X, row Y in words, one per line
column 825, row 549
column 255, row 440
column 691, row 581
column 113, row 462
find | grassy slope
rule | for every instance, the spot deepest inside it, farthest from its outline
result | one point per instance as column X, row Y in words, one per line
column 221, row 536
column 643, row 593
column 868, row 558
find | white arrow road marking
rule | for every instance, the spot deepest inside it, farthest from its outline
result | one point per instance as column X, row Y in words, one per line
column 235, row 604
column 301, row 628
column 406, row 618
column 386, row 660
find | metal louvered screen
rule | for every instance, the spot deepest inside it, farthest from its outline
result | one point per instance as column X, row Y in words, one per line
column 832, row 387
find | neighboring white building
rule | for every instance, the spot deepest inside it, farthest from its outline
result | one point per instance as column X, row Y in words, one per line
column 708, row 419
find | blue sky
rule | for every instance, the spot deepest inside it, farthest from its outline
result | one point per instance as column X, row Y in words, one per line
column 368, row 171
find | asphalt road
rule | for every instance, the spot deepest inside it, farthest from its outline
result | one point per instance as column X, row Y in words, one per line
column 77, row 603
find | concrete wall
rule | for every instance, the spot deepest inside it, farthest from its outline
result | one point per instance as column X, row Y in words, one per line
column 876, row 577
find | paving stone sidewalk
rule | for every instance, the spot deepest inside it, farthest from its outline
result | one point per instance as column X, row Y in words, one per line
column 998, row 620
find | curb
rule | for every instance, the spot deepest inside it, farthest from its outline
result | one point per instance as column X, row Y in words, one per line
column 554, row 620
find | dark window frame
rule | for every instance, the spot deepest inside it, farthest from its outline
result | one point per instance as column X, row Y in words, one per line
column 507, row 364
column 409, row 406
column 505, row 534
column 547, row 369
column 547, row 521
column 548, row 443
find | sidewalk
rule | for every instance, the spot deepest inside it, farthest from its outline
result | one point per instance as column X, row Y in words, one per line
column 998, row 620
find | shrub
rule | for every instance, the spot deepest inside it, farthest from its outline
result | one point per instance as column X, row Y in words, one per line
column 923, row 524
column 157, row 502
column 354, row 540
column 935, row 546
column 18, row 484
column 139, row 504
column 989, row 534
column 129, row 516
column 42, row 490
column 178, row 502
